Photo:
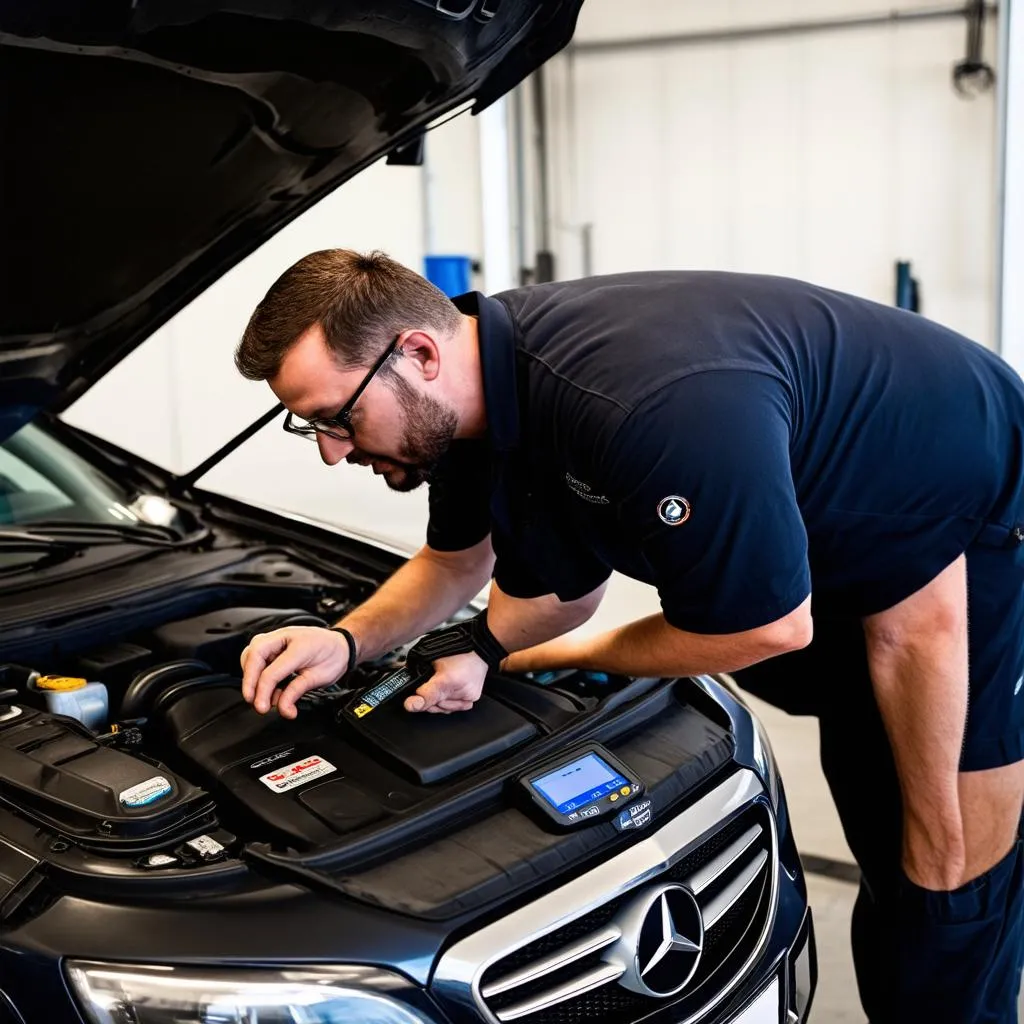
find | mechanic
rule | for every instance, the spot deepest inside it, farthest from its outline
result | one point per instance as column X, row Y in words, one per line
column 737, row 441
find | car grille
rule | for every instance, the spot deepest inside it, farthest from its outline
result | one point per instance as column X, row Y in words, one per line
column 568, row 974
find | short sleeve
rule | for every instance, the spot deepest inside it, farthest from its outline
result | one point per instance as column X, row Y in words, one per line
column 701, row 473
column 460, row 497
column 543, row 560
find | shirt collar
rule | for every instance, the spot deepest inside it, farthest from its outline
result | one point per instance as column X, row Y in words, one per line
column 498, row 365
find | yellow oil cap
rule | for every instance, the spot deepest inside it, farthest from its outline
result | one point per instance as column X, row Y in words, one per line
column 61, row 683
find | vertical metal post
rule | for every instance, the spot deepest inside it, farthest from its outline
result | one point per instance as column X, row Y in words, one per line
column 520, row 145
column 1010, row 261
column 545, row 267
column 587, row 249
column 496, row 198
column 428, row 197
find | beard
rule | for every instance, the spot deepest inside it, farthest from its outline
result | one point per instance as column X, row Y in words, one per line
column 427, row 431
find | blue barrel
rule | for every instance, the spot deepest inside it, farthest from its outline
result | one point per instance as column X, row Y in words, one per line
column 449, row 273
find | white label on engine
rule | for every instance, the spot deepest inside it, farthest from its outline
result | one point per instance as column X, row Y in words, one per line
column 145, row 792
column 288, row 776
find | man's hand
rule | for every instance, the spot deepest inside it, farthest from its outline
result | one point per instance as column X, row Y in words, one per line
column 313, row 655
column 456, row 685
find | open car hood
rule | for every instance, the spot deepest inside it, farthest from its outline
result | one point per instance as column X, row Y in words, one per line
column 149, row 145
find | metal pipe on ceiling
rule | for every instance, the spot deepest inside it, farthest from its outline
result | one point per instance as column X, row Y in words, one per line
column 790, row 28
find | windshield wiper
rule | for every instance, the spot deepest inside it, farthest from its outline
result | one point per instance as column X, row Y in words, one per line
column 58, row 542
column 62, row 534
column 48, row 551
column 22, row 540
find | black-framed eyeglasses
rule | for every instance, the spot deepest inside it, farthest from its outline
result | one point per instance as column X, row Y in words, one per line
column 338, row 426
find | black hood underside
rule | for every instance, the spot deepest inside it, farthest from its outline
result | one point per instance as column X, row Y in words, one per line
column 149, row 145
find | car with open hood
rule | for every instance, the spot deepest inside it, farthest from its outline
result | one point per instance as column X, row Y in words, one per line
column 576, row 847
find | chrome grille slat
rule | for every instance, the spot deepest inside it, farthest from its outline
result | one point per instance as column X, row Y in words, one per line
column 719, row 906
column 555, row 961
column 595, row 977
column 700, row 880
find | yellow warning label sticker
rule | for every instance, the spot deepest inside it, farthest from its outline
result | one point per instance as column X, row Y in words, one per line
column 363, row 709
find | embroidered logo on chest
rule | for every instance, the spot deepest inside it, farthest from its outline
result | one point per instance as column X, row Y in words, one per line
column 582, row 490
column 674, row 510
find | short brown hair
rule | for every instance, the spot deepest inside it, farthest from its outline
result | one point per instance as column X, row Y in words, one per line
column 361, row 300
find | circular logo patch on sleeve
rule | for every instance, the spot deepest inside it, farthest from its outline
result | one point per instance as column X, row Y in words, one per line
column 673, row 510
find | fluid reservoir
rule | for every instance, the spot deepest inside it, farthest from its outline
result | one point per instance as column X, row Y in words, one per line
column 74, row 697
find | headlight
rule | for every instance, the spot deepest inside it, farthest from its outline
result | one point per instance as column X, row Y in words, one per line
column 123, row 994
column 764, row 761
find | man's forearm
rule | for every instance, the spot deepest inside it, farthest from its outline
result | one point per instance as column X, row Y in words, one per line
column 923, row 702
column 524, row 622
column 424, row 592
column 922, row 694
column 917, row 656
column 652, row 647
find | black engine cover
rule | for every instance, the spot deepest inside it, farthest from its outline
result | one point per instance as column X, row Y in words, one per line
column 54, row 771
column 314, row 779
column 218, row 637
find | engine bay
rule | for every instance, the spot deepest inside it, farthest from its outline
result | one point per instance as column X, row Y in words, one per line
column 130, row 762
column 133, row 745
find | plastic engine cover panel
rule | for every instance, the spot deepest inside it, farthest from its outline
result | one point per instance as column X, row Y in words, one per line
column 53, row 770
column 431, row 748
column 218, row 637
column 313, row 779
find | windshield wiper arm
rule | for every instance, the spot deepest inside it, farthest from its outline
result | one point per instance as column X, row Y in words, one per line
column 85, row 535
column 25, row 540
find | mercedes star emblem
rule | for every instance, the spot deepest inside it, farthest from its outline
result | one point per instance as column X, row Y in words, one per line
column 661, row 943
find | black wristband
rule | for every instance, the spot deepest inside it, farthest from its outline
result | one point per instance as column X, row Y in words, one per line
column 353, row 654
column 485, row 643
column 462, row 638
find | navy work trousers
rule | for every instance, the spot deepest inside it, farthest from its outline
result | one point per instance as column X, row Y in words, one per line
column 920, row 955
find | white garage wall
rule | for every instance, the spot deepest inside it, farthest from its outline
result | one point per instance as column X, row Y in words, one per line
column 178, row 397
column 825, row 156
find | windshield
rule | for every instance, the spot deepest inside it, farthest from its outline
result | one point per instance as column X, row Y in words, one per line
column 42, row 481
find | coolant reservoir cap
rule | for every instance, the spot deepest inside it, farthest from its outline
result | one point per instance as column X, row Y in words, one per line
column 61, row 683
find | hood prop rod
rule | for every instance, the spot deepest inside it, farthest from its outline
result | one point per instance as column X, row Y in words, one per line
column 183, row 484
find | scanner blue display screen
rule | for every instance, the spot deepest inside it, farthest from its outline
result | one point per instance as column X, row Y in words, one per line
column 578, row 783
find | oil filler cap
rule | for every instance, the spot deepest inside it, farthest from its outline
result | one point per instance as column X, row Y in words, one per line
column 60, row 684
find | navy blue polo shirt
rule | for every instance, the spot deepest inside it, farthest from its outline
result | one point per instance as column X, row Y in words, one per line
column 735, row 440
